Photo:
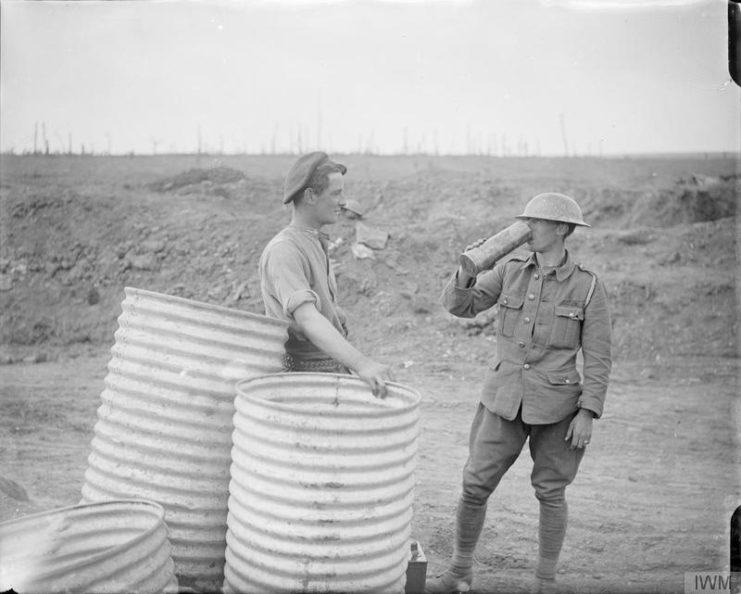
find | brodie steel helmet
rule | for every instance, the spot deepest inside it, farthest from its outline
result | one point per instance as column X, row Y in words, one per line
column 552, row 206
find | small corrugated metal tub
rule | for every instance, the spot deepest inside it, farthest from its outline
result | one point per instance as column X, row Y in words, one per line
column 322, row 485
column 115, row 546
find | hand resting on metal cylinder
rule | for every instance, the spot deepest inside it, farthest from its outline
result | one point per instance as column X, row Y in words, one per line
column 319, row 330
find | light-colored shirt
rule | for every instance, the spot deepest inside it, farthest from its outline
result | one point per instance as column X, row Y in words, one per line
column 295, row 269
column 543, row 321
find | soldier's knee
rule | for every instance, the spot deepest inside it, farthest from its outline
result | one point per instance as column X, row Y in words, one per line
column 550, row 495
column 474, row 493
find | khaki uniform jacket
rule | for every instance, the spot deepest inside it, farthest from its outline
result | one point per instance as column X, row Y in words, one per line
column 543, row 321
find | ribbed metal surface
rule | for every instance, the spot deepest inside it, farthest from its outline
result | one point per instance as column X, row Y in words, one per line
column 114, row 546
column 322, row 485
column 164, row 426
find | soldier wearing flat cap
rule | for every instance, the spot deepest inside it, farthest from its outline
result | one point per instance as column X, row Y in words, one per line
column 297, row 281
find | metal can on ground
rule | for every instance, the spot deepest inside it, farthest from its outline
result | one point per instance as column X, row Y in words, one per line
column 113, row 546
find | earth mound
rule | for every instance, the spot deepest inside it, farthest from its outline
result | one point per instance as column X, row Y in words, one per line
column 693, row 199
column 662, row 240
column 195, row 179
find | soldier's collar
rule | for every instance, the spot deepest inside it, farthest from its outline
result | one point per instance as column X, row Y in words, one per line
column 311, row 230
column 563, row 271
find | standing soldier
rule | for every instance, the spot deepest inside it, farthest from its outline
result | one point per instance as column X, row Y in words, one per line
column 297, row 281
column 549, row 308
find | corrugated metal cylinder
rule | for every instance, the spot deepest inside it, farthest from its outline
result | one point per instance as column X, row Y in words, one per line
column 164, row 426
column 113, row 546
column 322, row 485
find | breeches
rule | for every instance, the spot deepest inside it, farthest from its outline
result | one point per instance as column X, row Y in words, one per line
column 494, row 445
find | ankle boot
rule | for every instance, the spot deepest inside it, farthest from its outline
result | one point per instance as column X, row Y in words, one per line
column 450, row 582
column 544, row 586
column 459, row 576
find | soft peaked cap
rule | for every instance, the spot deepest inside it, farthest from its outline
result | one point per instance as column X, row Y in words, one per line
column 301, row 171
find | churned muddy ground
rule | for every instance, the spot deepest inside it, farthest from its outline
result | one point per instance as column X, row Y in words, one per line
column 657, row 487
column 652, row 501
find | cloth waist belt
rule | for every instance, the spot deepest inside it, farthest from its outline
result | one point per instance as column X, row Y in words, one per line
column 326, row 365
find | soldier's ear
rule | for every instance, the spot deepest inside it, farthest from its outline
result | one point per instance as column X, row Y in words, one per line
column 562, row 229
column 309, row 196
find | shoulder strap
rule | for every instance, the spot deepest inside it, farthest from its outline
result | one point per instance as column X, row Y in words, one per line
column 592, row 285
column 591, row 290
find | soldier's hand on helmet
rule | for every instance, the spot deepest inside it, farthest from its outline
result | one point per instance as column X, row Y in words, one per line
column 580, row 429
column 375, row 375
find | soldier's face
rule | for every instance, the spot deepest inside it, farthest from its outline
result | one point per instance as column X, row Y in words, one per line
column 328, row 204
column 546, row 234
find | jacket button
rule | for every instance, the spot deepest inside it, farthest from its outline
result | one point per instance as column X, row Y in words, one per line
column 526, row 321
column 521, row 344
column 536, row 277
column 526, row 365
column 504, row 300
column 531, row 296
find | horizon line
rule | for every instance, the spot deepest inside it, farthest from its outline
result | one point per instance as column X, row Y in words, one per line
column 617, row 155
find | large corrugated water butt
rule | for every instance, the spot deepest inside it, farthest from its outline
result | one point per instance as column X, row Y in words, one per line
column 113, row 546
column 322, row 485
column 165, row 423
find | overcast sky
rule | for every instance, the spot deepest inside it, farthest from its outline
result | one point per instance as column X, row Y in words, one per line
column 453, row 77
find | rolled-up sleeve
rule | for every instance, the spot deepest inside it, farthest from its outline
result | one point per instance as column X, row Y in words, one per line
column 596, row 345
column 288, row 279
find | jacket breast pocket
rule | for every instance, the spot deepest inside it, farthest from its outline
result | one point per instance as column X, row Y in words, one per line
column 566, row 330
column 566, row 379
column 510, row 307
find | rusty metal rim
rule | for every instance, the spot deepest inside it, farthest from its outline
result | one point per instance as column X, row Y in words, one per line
column 203, row 492
column 171, row 406
column 185, row 353
column 132, row 291
column 173, row 368
column 170, row 393
column 164, row 331
column 110, row 551
column 382, row 404
column 261, row 572
column 351, row 516
column 288, row 496
column 153, row 431
column 256, row 409
column 245, row 435
column 108, row 442
column 150, row 362
column 170, row 383
column 131, row 411
column 387, row 496
column 288, row 547
column 323, row 466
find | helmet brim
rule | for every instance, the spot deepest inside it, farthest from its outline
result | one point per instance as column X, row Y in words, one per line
column 577, row 223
